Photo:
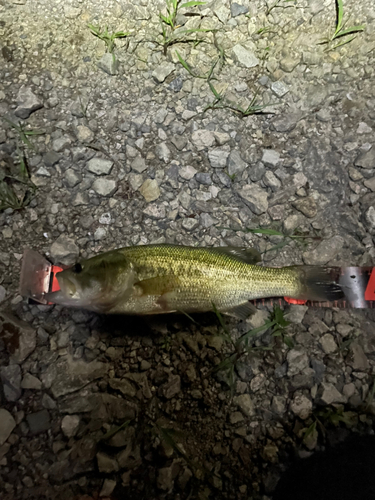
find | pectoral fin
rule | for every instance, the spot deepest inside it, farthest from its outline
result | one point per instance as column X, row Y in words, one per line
column 163, row 288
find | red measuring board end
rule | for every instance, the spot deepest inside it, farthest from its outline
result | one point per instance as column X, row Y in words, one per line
column 295, row 301
column 55, row 285
column 370, row 289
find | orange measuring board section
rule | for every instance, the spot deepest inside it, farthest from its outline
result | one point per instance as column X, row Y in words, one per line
column 295, row 301
column 55, row 285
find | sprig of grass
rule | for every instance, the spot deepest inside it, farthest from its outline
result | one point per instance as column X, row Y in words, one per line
column 332, row 415
column 340, row 31
column 108, row 435
column 10, row 196
column 278, row 4
column 24, row 133
column 169, row 26
column 281, row 323
column 295, row 236
column 107, row 37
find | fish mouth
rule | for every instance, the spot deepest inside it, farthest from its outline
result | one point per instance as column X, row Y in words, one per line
column 67, row 295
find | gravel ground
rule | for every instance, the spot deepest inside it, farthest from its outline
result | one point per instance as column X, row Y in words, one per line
column 130, row 155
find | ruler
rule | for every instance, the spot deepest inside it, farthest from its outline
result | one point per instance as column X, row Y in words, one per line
column 38, row 276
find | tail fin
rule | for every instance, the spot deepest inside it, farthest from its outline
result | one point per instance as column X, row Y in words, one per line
column 320, row 283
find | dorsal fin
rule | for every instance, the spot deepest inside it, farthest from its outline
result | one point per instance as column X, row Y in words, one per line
column 243, row 254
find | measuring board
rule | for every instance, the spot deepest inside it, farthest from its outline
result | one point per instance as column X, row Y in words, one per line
column 38, row 276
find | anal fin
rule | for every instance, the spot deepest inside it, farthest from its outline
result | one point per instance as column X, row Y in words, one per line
column 242, row 311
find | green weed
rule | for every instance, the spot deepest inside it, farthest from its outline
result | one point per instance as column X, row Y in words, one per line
column 279, row 329
column 280, row 3
column 220, row 102
column 323, row 419
column 107, row 37
column 169, row 32
column 16, row 188
column 24, row 133
column 108, row 435
column 340, row 30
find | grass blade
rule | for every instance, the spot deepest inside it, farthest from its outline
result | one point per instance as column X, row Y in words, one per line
column 348, row 31
column 260, row 230
column 185, row 64
column 191, row 4
column 255, row 331
column 115, row 430
column 340, row 14
column 344, row 42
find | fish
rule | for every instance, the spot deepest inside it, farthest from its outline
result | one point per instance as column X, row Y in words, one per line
column 157, row 279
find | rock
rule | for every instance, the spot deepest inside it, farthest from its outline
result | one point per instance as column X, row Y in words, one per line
column 203, row 139
column 357, row 358
column 124, row 386
column 108, row 63
column 187, row 172
column 139, row 164
column 207, row 221
column 296, row 313
column 366, row 159
column 106, row 463
column 278, row 405
column 69, row 425
column 328, row 343
column 298, row 361
column 271, row 180
column 301, row 406
column 307, row 206
column 38, row 422
column 363, row 128
column 31, row 382
column 255, row 198
column 51, row 158
column 164, row 479
column 324, row 252
column 245, row 404
column 150, row 190
column 236, row 9
column 163, row 152
column 7, row 424
column 245, row 57
column 218, row 157
column 331, row 395
column 172, row 387
column 370, row 217
column 279, row 88
column 162, row 71
column 68, row 375
column 104, row 187
column 107, row 489
column 286, row 122
column 370, row 183
column 64, row 250
column 11, row 379
column 60, row 144
column 288, row 64
column 155, row 211
column 270, row 157
column 19, row 338
column 189, row 224
column 258, row 319
column 176, row 84
column 203, row 178
column 27, row 103
column 236, row 165
column 99, row 166
column 84, row 134
column 3, row 294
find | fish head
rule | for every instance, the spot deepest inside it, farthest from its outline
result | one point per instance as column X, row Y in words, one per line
column 96, row 284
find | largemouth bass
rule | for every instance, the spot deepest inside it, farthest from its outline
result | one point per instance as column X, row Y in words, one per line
column 155, row 279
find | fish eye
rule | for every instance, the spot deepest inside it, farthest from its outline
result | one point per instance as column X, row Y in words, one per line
column 77, row 268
